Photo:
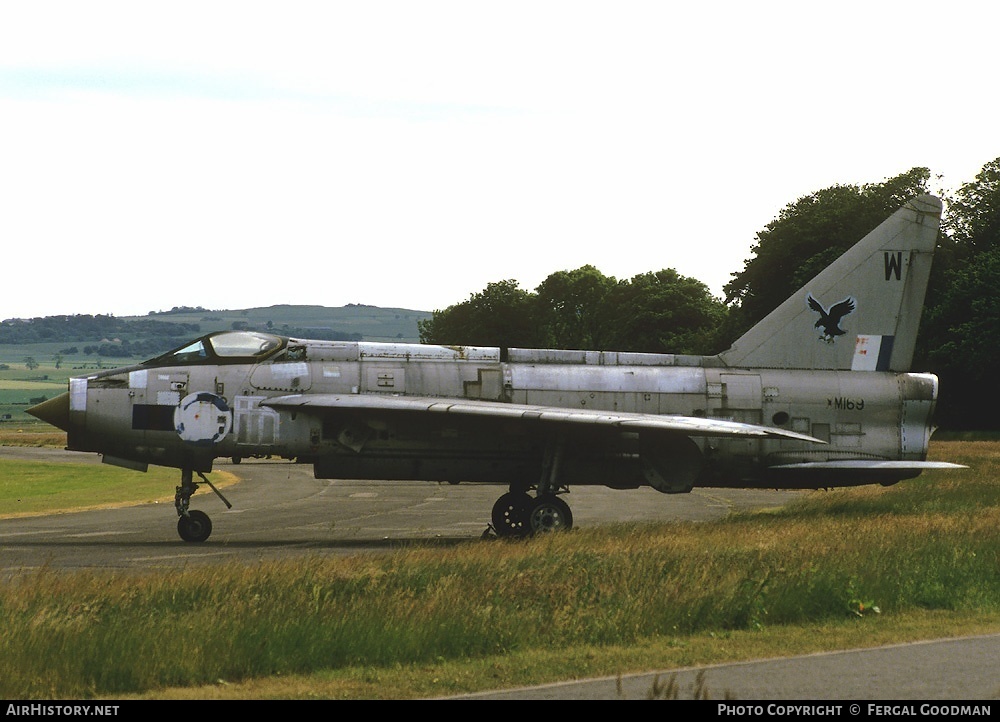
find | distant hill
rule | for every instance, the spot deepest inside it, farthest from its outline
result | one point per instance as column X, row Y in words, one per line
column 142, row 337
column 357, row 321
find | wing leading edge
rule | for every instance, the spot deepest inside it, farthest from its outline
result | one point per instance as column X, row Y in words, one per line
column 690, row 425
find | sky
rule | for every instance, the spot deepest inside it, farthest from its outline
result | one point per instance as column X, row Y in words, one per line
column 407, row 154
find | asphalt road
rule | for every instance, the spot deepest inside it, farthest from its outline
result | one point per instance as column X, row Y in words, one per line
column 938, row 670
column 279, row 510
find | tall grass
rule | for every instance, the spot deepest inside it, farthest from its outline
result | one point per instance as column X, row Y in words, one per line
column 870, row 553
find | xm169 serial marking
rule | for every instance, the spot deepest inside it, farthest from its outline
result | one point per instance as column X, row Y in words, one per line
column 842, row 403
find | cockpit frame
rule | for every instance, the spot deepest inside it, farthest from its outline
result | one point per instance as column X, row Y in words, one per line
column 223, row 347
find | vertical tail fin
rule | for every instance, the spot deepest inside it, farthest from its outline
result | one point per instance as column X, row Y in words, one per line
column 862, row 311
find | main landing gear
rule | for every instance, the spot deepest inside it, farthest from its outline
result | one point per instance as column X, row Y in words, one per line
column 518, row 514
column 193, row 525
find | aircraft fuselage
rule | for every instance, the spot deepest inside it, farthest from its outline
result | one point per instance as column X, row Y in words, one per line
column 185, row 414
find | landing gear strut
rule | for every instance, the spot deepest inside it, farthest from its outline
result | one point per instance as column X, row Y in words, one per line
column 193, row 525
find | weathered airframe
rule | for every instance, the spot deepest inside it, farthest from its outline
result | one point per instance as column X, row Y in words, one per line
column 818, row 394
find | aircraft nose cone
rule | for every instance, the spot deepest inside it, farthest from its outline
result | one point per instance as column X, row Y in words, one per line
column 54, row 411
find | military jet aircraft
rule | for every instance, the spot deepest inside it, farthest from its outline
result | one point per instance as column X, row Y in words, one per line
column 781, row 408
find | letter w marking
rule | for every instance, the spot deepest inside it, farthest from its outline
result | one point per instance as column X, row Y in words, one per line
column 893, row 265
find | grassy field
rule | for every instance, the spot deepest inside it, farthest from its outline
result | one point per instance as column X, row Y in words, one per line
column 21, row 387
column 42, row 488
column 841, row 569
column 32, row 434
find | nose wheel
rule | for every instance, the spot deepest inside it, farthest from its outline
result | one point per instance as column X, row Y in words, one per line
column 196, row 526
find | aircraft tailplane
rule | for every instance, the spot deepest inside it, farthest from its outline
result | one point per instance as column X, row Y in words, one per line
column 860, row 313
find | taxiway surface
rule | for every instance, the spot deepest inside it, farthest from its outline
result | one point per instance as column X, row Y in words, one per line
column 279, row 510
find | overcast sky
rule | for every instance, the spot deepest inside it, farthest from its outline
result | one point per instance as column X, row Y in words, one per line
column 406, row 154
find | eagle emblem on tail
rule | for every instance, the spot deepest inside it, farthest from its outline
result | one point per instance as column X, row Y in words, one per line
column 829, row 320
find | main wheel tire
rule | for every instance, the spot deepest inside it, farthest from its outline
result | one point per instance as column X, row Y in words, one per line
column 510, row 514
column 196, row 526
column 549, row 513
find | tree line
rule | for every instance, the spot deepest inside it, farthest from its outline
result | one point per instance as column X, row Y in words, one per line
column 141, row 334
column 663, row 311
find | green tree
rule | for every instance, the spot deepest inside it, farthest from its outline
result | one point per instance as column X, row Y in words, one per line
column 807, row 236
column 584, row 309
column 501, row 315
column 30, row 363
column 960, row 331
column 965, row 342
column 973, row 218
column 571, row 306
column 663, row 312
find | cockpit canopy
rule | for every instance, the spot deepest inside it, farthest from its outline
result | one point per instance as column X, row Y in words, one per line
column 222, row 347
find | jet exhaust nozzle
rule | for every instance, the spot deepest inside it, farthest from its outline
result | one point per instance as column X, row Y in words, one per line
column 55, row 411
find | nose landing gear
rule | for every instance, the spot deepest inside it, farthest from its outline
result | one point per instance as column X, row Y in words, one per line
column 193, row 525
